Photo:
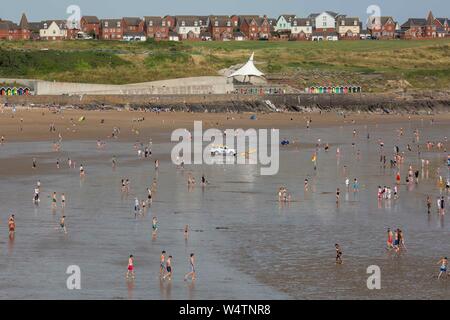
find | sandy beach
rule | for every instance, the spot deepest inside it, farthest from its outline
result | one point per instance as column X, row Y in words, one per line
column 248, row 244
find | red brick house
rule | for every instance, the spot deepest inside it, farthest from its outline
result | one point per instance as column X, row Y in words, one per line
column 220, row 27
column 255, row 28
column 417, row 28
column 111, row 29
column 442, row 27
column 90, row 25
column 156, row 28
column 11, row 31
column 133, row 24
column 382, row 29
column 170, row 21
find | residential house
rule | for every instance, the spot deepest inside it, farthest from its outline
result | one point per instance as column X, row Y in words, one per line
column 90, row 25
column 418, row 28
column 382, row 27
column 442, row 23
column 187, row 27
column 11, row 31
column 284, row 22
column 325, row 21
column 221, row 27
column 156, row 28
column 133, row 25
column 111, row 29
column 203, row 21
column 348, row 27
column 442, row 27
column 256, row 28
column 170, row 21
column 301, row 29
column 53, row 30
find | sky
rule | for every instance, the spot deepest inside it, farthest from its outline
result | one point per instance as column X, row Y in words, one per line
column 37, row 10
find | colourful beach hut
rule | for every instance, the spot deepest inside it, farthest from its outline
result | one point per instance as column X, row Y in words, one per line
column 2, row 92
column 26, row 91
column 14, row 91
column 20, row 91
column 8, row 91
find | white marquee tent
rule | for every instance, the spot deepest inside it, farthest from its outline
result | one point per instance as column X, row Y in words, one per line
column 247, row 70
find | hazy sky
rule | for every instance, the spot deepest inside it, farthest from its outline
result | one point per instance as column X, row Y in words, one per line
column 56, row 9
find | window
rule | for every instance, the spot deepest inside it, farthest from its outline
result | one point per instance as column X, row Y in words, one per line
column 182, row 23
column 343, row 22
column 164, row 23
column 228, row 23
column 151, row 23
column 355, row 22
column 106, row 24
column 324, row 18
column 307, row 23
column 324, row 24
column 216, row 23
column 118, row 24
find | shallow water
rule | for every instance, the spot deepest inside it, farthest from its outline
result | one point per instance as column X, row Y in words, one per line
column 247, row 245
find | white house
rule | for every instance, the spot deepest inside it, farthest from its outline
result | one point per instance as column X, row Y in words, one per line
column 188, row 27
column 300, row 25
column 325, row 21
column 284, row 22
column 53, row 30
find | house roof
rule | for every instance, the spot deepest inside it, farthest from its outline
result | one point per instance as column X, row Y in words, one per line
column 23, row 22
column 332, row 13
column 34, row 26
column 189, row 21
column 7, row 25
column 288, row 17
column 91, row 19
column 155, row 20
column 132, row 21
column 62, row 24
column 222, row 21
column 348, row 21
column 442, row 21
column 301, row 22
column 413, row 22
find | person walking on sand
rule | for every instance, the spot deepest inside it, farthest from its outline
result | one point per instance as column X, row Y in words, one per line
column 54, row 200
column 130, row 269
column 338, row 254
column 62, row 223
column 82, row 173
column 443, row 268
column 11, row 225
column 154, row 226
column 168, row 268
column 390, row 239
column 428, row 204
column 186, row 232
column 63, row 200
column 192, row 265
column 136, row 207
column 337, row 196
column 162, row 263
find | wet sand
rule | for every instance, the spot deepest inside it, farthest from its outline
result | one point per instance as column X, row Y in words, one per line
column 248, row 246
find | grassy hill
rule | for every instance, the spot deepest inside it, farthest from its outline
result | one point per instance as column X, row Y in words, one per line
column 376, row 65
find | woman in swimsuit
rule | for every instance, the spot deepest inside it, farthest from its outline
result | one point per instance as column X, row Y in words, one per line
column 130, row 269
